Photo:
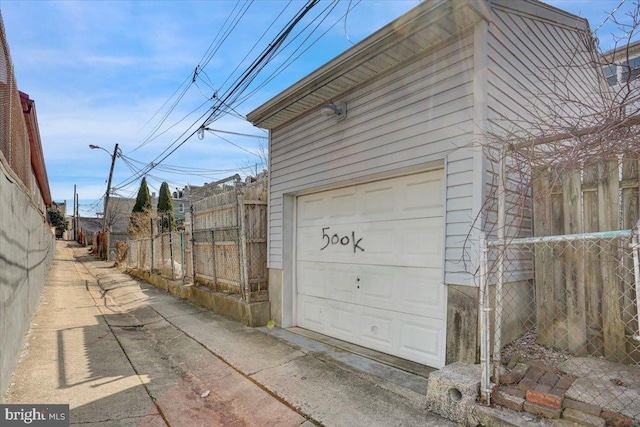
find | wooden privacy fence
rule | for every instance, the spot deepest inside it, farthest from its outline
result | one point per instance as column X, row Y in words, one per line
column 585, row 296
column 229, row 228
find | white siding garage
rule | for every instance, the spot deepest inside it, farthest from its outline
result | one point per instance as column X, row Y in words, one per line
column 369, row 265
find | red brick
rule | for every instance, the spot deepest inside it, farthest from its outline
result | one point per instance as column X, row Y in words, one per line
column 549, row 378
column 582, row 406
column 545, row 411
column 545, row 399
column 526, row 384
column 616, row 420
column 534, row 374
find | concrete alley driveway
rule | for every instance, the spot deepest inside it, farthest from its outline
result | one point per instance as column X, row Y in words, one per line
column 123, row 353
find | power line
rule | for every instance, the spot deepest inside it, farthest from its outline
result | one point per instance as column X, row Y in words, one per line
column 240, row 85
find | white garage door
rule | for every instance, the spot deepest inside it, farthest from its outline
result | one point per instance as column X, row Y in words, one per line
column 369, row 266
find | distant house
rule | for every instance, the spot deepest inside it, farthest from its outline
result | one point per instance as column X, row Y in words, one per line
column 378, row 178
column 35, row 172
column 622, row 70
column 181, row 205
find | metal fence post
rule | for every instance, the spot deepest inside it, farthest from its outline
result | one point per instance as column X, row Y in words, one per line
column 485, row 389
column 497, row 343
column 635, row 247
column 213, row 260
column 182, row 255
column 173, row 270
column 242, row 242
column 193, row 246
column 151, row 239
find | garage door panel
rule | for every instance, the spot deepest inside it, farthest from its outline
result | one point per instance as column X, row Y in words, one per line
column 311, row 209
column 423, row 293
column 343, row 320
column 393, row 199
column 410, row 243
column 311, row 313
column 369, row 265
column 421, row 339
column 377, row 330
column 416, row 291
column 332, row 281
column 414, row 199
column 342, row 206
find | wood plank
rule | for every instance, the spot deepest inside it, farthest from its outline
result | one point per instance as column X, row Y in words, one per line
column 558, row 300
column 630, row 216
column 608, row 211
column 573, row 266
column 543, row 257
column 593, row 273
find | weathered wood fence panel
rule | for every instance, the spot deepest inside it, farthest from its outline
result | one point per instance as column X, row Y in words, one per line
column 585, row 298
column 230, row 244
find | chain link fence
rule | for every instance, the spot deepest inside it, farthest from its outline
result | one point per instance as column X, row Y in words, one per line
column 224, row 246
column 14, row 136
column 559, row 325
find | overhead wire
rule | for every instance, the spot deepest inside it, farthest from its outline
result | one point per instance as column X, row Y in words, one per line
column 289, row 61
column 210, row 52
column 256, row 66
column 240, row 84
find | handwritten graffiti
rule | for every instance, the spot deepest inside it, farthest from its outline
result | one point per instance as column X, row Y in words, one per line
column 343, row 240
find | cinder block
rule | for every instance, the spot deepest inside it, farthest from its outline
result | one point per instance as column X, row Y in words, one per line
column 453, row 391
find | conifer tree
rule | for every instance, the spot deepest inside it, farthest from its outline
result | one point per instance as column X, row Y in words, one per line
column 140, row 220
column 165, row 209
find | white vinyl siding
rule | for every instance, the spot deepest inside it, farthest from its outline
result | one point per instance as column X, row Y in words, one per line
column 421, row 113
column 534, row 67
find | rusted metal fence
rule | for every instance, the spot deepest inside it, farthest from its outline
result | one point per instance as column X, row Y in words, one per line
column 224, row 246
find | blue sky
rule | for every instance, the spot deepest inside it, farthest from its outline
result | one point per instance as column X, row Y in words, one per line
column 106, row 72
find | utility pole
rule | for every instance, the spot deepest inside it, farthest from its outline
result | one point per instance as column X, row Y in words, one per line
column 75, row 218
column 106, row 197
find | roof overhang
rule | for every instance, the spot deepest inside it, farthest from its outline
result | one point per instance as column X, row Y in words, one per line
column 35, row 145
column 410, row 35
